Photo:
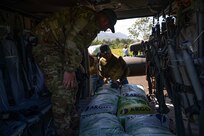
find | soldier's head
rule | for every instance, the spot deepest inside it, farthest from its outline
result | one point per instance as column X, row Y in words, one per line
column 107, row 19
column 105, row 51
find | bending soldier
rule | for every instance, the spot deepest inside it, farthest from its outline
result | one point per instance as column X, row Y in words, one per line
column 63, row 37
column 112, row 67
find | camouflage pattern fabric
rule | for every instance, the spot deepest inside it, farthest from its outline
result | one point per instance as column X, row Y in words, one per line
column 115, row 69
column 63, row 36
column 71, row 31
column 93, row 65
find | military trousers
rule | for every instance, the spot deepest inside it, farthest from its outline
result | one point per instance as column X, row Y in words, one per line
column 63, row 100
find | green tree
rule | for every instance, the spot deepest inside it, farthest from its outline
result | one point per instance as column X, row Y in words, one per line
column 96, row 42
column 115, row 44
column 141, row 29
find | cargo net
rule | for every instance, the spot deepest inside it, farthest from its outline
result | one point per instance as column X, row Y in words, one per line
column 123, row 111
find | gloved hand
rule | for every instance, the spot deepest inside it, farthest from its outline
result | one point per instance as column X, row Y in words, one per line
column 115, row 84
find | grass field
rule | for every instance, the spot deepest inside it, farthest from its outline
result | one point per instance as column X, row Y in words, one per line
column 118, row 52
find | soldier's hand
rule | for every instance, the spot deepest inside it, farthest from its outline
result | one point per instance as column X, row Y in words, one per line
column 115, row 84
column 69, row 80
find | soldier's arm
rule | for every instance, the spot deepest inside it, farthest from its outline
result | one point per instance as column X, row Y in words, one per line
column 73, row 56
column 102, row 73
column 81, row 18
column 100, row 68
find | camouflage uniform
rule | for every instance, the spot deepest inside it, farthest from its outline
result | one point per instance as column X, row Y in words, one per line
column 116, row 68
column 93, row 65
column 63, row 37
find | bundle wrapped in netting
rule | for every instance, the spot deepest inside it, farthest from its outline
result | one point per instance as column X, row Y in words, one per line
column 102, row 124
column 102, row 103
column 133, row 90
column 106, row 89
column 132, row 86
column 133, row 105
column 147, row 125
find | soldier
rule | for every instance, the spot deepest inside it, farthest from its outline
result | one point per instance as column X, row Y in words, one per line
column 63, row 37
column 112, row 67
column 125, row 51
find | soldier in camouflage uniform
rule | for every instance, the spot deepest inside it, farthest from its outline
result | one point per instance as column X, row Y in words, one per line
column 112, row 67
column 63, row 37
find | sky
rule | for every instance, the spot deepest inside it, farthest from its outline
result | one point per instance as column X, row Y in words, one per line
column 123, row 25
